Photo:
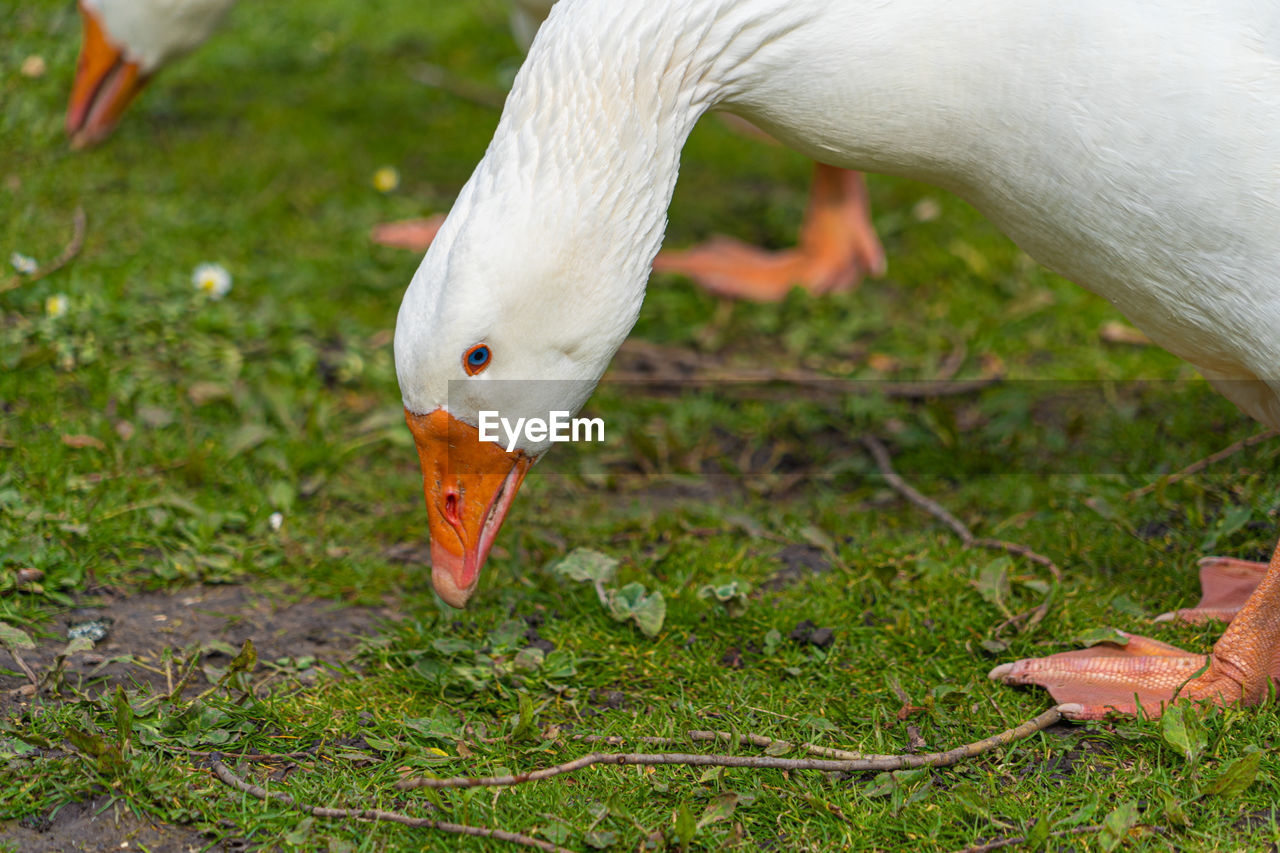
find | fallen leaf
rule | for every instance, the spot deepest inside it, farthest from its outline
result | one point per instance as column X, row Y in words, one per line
column 81, row 441
column 1236, row 778
column 721, row 808
column 584, row 564
column 1115, row 332
column 1180, row 727
column 1116, row 826
column 632, row 601
column 993, row 583
column 206, row 392
column 15, row 638
column 1097, row 636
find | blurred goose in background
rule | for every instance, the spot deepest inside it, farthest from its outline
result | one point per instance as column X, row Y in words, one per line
column 1130, row 145
column 125, row 42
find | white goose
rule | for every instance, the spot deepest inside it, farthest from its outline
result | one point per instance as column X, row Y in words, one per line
column 125, row 42
column 1130, row 145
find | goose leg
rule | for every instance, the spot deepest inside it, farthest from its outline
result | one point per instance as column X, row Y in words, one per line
column 1110, row 678
column 837, row 247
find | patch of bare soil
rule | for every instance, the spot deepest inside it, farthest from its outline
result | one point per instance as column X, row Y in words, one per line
column 798, row 563
column 99, row 825
column 213, row 619
column 294, row 633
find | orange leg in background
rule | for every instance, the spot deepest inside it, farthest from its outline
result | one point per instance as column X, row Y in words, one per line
column 1109, row 678
column 412, row 234
column 837, row 247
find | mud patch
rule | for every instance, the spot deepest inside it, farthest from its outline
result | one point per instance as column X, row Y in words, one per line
column 808, row 634
column 213, row 619
column 100, row 825
column 798, row 562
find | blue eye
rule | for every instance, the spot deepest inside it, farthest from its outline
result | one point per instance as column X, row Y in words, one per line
column 476, row 359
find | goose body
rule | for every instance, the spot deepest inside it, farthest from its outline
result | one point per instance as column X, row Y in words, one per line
column 1129, row 145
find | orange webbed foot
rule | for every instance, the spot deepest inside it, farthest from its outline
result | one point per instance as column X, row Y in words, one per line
column 1146, row 674
column 1109, row 678
column 837, row 247
column 1225, row 585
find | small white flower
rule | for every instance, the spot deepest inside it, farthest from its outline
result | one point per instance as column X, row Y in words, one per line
column 386, row 179
column 926, row 210
column 24, row 264
column 33, row 66
column 212, row 280
column 56, row 305
column 276, row 520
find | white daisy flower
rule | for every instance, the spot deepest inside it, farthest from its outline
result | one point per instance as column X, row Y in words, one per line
column 276, row 520
column 56, row 305
column 386, row 179
column 212, row 280
column 24, row 264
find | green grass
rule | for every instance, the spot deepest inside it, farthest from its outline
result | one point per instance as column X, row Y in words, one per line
column 258, row 153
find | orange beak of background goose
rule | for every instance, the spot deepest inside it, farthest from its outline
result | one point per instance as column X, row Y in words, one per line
column 105, row 84
column 469, row 484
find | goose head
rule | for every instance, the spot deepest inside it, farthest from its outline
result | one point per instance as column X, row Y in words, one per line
column 124, row 43
column 539, row 271
column 506, row 315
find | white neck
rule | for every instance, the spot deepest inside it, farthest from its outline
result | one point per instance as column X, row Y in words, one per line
column 588, row 148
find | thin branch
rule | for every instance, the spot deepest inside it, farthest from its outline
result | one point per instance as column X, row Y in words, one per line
column 230, row 779
column 1197, row 467
column 81, row 224
column 870, row 763
column 1031, row 617
column 700, row 735
column 951, row 365
column 902, row 487
column 1022, row 839
column 22, row 664
column 247, row 756
column 680, row 367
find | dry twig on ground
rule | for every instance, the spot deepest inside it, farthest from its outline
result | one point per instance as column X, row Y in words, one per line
column 1197, row 467
column 761, row 741
column 224, row 775
column 1030, row 617
column 80, row 223
column 1022, row 839
column 683, row 367
column 859, row 765
column 247, row 756
column 26, row 669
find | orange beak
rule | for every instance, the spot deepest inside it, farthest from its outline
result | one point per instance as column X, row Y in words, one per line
column 105, row 84
column 469, row 485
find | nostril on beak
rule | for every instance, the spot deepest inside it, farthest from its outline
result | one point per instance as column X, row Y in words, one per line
column 451, row 509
